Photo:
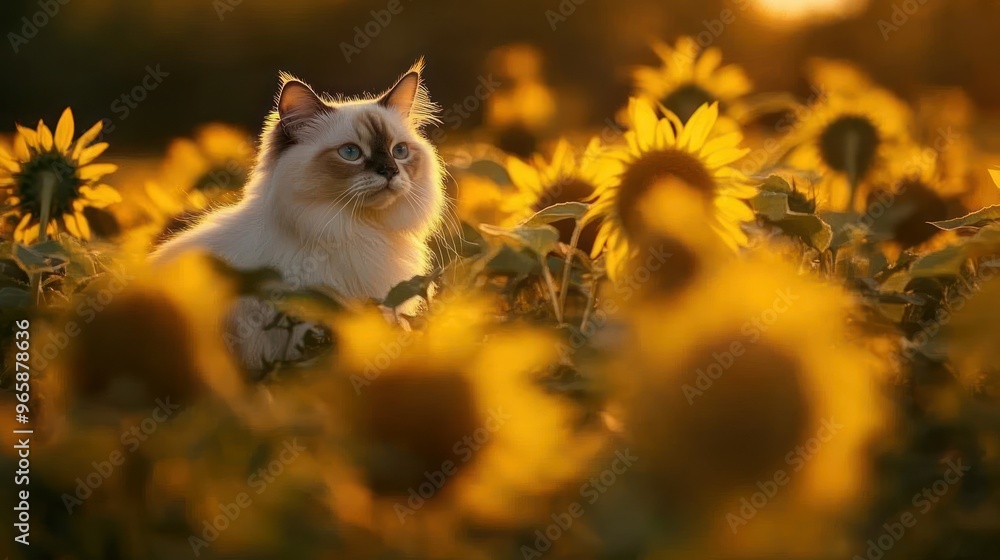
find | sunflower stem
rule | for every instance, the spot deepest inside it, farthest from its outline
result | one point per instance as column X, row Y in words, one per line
column 568, row 267
column 591, row 297
column 552, row 287
column 48, row 188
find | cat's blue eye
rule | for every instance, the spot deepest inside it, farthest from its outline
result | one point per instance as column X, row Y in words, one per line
column 400, row 151
column 350, row 152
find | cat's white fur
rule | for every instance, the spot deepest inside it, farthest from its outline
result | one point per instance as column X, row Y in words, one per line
column 302, row 216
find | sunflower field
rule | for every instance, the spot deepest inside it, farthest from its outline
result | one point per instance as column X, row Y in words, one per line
column 729, row 322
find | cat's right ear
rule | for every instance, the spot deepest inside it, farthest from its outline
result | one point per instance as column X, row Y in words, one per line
column 298, row 104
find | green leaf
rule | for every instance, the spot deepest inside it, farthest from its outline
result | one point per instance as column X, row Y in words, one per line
column 509, row 262
column 773, row 207
column 810, row 228
column 540, row 239
column 409, row 289
column 557, row 212
column 775, row 184
column 950, row 260
column 31, row 261
column 976, row 219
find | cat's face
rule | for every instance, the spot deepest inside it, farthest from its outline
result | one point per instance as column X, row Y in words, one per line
column 340, row 162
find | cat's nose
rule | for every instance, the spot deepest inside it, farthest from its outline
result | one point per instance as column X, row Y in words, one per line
column 387, row 170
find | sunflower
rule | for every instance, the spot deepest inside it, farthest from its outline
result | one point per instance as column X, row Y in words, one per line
column 722, row 388
column 50, row 177
column 207, row 170
column 689, row 78
column 568, row 177
column 849, row 138
column 440, row 427
column 663, row 151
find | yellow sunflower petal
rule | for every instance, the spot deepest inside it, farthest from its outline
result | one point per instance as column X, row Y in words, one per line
column 86, row 138
column 524, row 176
column 71, row 227
column 91, row 153
column 27, row 136
column 995, row 174
column 81, row 222
column 95, row 171
column 709, row 60
column 734, row 208
column 64, row 131
column 665, row 136
column 44, row 137
column 698, row 127
column 100, row 196
column 730, row 140
column 22, row 224
column 724, row 157
column 8, row 163
column 600, row 240
column 21, row 151
column 30, row 234
column 644, row 121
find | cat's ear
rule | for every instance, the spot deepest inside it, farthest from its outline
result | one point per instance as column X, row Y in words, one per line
column 402, row 95
column 297, row 104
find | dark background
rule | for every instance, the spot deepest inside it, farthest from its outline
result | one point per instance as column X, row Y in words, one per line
column 224, row 69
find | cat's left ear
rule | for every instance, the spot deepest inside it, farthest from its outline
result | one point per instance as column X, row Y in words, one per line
column 402, row 95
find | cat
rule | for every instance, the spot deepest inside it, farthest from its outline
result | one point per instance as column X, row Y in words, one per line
column 345, row 194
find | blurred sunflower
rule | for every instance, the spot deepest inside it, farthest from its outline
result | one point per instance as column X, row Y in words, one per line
column 441, row 428
column 49, row 172
column 766, row 378
column 208, row 170
column 568, row 177
column 663, row 151
column 849, row 138
column 689, row 78
column 913, row 197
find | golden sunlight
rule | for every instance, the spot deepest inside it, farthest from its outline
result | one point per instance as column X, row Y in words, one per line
column 804, row 12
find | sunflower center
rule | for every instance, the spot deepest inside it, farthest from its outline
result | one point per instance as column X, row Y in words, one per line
column 658, row 168
column 569, row 189
column 685, row 100
column 849, row 145
column 751, row 411
column 410, row 426
column 679, row 270
column 44, row 167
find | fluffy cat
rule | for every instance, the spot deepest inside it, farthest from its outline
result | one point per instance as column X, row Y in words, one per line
column 345, row 194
